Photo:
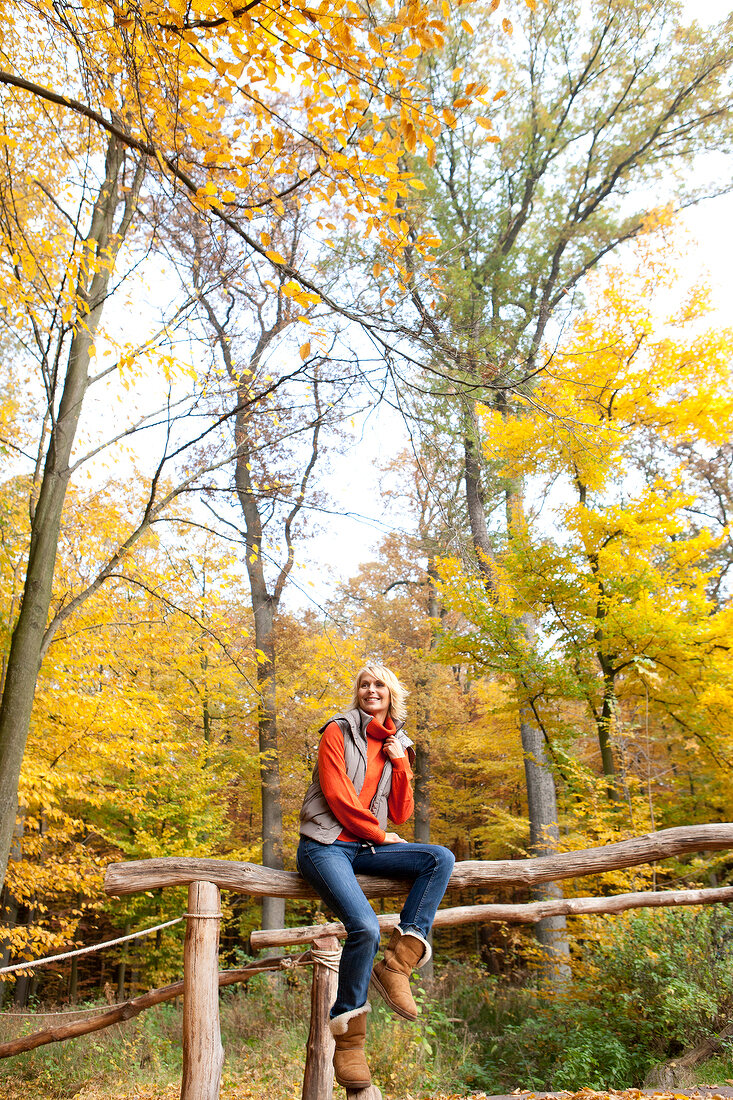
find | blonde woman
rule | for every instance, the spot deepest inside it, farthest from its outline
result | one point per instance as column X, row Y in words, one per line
column 362, row 778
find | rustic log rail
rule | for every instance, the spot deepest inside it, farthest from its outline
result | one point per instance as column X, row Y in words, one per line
column 250, row 878
column 528, row 913
column 202, row 1052
column 118, row 1014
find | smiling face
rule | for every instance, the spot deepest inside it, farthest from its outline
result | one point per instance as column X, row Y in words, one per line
column 373, row 696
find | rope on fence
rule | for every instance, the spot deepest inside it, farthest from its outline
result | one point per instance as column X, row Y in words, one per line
column 329, row 959
column 87, row 950
column 69, row 1011
column 113, row 1014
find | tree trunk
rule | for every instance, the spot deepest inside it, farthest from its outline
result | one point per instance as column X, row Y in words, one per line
column 265, row 601
column 423, row 767
column 604, row 723
column 273, row 909
column 27, row 643
column 422, row 794
column 544, row 835
column 122, row 968
column 23, row 982
column 74, row 982
column 541, row 793
column 475, row 505
column 264, row 606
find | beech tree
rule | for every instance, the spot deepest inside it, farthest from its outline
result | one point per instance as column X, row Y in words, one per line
column 251, row 321
column 624, row 584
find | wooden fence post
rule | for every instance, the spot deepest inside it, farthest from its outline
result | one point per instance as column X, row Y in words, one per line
column 203, row 1054
column 318, row 1076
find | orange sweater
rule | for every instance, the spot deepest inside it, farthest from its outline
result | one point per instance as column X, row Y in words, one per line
column 352, row 809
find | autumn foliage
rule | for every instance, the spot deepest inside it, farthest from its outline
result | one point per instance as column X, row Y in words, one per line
column 229, row 237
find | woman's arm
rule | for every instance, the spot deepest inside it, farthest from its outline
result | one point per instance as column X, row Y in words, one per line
column 340, row 792
column 400, row 803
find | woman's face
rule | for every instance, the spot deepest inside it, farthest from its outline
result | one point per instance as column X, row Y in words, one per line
column 374, row 697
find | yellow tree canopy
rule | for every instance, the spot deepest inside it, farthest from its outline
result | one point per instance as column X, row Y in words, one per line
column 246, row 107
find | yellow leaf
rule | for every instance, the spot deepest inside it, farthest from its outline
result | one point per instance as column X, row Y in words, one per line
column 466, row 26
column 417, row 184
column 413, row 51
column 275, row 257
column 305, row 350
column 457, row 74
column 507, row 25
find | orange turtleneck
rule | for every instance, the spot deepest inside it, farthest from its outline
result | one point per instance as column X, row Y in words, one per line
column 350, row 808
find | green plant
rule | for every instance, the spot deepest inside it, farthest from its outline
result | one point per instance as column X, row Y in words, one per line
column 666, row 975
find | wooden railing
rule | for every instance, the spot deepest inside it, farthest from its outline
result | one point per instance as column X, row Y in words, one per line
column 202, row 1050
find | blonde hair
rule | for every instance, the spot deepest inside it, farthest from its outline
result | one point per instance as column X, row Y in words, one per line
column 397, row 693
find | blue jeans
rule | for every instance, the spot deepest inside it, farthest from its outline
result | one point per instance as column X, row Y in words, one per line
column 331, row 869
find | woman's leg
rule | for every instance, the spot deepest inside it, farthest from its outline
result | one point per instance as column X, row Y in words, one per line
column 329, row 870
column 429, row 865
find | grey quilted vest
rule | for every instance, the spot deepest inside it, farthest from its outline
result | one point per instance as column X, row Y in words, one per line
column 317, row 821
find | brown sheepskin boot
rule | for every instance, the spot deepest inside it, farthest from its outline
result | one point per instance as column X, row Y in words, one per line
column 391, row 977
column 349, row 1034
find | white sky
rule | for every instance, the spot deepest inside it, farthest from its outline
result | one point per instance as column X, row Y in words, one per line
column 353, row 483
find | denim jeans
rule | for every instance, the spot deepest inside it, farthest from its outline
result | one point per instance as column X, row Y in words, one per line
column 331, row 869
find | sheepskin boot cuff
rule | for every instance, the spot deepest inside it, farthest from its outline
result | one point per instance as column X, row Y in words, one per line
column 391, row 976
column 427, row 949
column 340, row 1024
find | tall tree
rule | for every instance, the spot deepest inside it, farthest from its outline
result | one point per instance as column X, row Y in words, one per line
column 252, row 324
column 624, row 580
column 66, row 391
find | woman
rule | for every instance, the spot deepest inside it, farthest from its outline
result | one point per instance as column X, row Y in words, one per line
column 362, row 777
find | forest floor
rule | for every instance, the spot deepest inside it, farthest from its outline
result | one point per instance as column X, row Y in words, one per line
column 253, row 1091
column 264, row 1031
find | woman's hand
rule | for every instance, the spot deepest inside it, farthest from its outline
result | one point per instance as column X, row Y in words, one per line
column 393, row 748
column 394, row 838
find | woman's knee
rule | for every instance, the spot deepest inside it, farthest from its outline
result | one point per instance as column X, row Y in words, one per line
column 444, row 857
column 365, row 931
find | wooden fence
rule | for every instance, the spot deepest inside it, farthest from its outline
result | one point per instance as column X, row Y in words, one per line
column 202, row 1050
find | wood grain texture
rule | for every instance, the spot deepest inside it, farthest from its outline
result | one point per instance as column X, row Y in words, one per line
column 318, row 1074
column 119, row 1013
column 250, row 878
column 203, row 1055
column 511, row 914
